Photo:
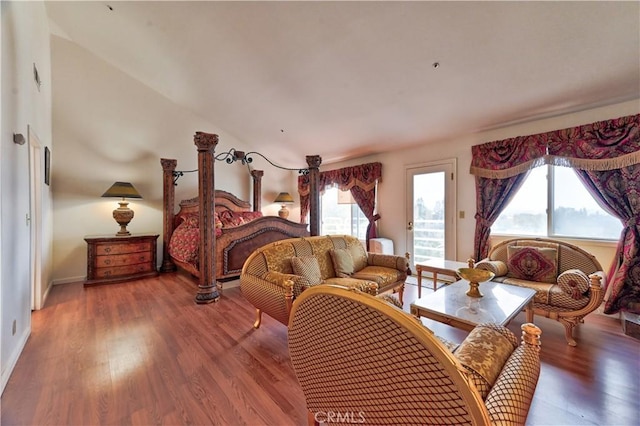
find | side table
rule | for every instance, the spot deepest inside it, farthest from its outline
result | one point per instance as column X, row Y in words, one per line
column 112, row 259
column 438, row 266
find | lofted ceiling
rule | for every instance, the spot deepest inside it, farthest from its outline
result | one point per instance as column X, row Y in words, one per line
column 355, row 78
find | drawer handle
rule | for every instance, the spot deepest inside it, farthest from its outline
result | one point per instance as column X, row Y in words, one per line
column 107, row 262
column 141, row 257
column 107, row 249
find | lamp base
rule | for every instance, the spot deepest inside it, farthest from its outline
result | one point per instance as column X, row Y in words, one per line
column 283, row 212
column 123, row 216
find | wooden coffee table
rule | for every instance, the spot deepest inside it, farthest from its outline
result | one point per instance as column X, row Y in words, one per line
column 438, row 266
column 451, row 306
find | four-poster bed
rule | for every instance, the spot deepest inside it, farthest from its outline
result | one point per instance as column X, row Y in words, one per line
column 221, row 250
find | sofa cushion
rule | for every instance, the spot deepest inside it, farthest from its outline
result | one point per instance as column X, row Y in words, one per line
column 342, row 262
column 381, row 275
column 533, row 263
column 574, row 282
column 498, row 267
column 364, row 286
column 307, row 267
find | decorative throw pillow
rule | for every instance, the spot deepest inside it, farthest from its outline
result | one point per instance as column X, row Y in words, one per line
column 498, row 267
column 359, row 256
column 574, row 282
column 533, row 263
column 342, row 262
column 307, row 267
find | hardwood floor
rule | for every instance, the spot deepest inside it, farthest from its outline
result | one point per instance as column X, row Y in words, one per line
column 144, row 353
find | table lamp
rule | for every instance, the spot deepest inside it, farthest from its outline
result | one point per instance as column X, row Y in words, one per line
column 122, row 214
column 283, row 198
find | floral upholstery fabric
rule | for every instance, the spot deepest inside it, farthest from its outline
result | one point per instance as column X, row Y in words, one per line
column 278, row 258
column 342, row 262
column 307, row 267
column 185, row 243
column 574, row 282
column 483, row 353
column 498, row 267
column 533, row 263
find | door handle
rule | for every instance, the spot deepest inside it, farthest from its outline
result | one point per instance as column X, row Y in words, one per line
column 410, row 226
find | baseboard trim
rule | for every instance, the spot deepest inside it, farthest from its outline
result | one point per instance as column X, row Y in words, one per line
column 13, row 359
column 68, row 280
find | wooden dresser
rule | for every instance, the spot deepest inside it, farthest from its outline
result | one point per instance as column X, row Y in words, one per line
column 112, row 259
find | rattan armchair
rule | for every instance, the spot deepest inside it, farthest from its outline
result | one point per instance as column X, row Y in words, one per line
column 359, row 359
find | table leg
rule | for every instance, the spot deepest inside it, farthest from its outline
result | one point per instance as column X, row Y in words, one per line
column 529, row 311
column 435, row 281
column 419, row 281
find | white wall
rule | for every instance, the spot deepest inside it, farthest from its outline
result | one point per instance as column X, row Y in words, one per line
column 25, row 42
column 392, row 191
column 110, row 127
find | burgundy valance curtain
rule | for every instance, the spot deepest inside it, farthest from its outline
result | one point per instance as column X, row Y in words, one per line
column 606, row 157
column 360, row 180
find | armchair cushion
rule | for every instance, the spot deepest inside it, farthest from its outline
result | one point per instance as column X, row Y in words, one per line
column 342, row 262
column 574, row 282
column 307, row 267
column 533, row 263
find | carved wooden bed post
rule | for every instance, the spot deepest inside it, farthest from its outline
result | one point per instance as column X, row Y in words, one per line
column 256, row 175
column 314, row 193
column 168, row 199
column 207, row 289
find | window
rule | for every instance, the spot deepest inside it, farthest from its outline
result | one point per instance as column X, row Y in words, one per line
column 574, row 212
column 341, row 217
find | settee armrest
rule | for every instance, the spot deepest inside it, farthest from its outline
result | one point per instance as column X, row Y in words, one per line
column 400, row 263
column 284, row 280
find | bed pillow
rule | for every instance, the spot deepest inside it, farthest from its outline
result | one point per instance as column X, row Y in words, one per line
column 574, row 282
column 307, row 267
column 533, row 263
column 342, row 262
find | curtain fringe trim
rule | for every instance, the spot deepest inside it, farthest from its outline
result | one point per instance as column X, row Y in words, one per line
column 555, row 160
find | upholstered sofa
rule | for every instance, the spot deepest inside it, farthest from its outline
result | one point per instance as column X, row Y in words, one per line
column 568, row 281
column 361, row 360
column 274, row 275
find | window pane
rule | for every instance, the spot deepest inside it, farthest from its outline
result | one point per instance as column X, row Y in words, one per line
column 526, row 214
column 576, row 213
column 338, row 218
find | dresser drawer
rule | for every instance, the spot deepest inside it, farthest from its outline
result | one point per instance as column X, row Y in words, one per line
column 122, row 271
column 123, row 259
column 121, row 248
